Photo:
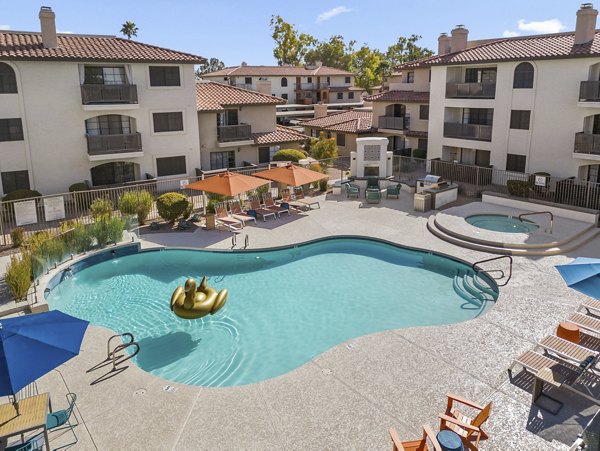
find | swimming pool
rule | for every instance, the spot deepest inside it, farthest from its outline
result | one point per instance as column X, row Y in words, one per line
column 502, row 223
column 285, row 306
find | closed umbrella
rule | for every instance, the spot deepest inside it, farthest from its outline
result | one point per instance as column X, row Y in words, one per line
column 292, row 175
column 583, row 275
column 33, row 345
column 227, row 184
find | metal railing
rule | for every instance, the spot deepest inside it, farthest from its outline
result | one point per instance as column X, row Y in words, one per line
column 471, row 90
column 311, row 86
column 589, row 91
column 242, row 85
column 392, row 123
column 477, row 269
column 540, row 213
column 234, row 132
column 587, row 143
column 109, row 144
column 468, row 131
column 91, row 94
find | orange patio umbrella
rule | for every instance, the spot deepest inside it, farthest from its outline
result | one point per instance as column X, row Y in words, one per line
column 292, row 175
column 227, row 184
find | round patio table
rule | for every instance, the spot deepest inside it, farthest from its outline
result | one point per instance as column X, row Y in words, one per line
column 450, row 441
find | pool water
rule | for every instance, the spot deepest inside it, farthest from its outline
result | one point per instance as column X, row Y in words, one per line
column 502, row 223
column 284, row 306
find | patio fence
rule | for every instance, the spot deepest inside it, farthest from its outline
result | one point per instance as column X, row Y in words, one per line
column 473, row 180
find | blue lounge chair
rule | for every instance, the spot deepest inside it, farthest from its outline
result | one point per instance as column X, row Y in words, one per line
column 61, row 419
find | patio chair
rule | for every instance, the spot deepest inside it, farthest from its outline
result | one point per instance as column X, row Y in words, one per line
column 262, row 212
column 466, row 427
column 306, row 201
column 286, row 197
column 270, row 205
column 57, row 421
column 591, row 306
column 373, row 182
column 565, row 349
column 586, row 322
column 238, row 213
column 393, row 190
column 222, row 217
column 30, row 445
column 352, row 190
column 373, row 195
column 415, row 445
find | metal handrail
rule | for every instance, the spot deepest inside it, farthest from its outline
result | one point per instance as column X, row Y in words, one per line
column 510, row 259
column 120, row 347
column 540, row 213
column 126, row 334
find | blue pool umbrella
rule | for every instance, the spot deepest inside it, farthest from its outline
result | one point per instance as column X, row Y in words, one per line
column 33, row 345
column 583, row 275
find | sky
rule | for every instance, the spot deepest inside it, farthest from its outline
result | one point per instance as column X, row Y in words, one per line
column 236, row 31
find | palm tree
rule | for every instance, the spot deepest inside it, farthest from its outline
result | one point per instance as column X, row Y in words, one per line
column 129, row 29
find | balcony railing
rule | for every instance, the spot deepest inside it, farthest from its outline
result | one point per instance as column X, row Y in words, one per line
column 393, row 123
column 242, row 85
column 311, row 86
column 470, row 90
column 91, row 94
column 468, row 131
column 587, row 143
column 589, row 91
column 109, row 144
column 234, row 132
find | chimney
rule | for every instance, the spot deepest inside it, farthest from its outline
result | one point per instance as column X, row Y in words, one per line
column 458, row 41
column 320, row 110
column 48, row 27
column 585, row 28
column 443, row 44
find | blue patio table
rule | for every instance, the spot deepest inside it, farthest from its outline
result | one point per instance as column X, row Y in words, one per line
column 450, row 441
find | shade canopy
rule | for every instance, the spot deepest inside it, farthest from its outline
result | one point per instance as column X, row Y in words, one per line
column 33, row 345
column 227, row 184
column 583, row 275
column 292, row 175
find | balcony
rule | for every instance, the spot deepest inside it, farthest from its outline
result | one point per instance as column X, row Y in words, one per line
column 468, row 131
column 242, row 85
column 392, row 123
column 311, row 86
column 230, row 133
column 470, row 90
column 587, row 143
column 108, row 145
column 106, row 94
column 589, row 91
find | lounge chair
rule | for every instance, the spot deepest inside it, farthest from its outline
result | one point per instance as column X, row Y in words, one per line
column 61, row 419
column 416, row 445
column 306, row 201
column 30, row 445
column 467, row 428
column 586, row 322
column 222, row 217
column 238, row 213
column 373, row 195
column 352, row 190
column 286, row 197
column 373, row 182
column 393, row 191
column 565, row 349
column 270, row 205
column 262, row 212
column 591, row 305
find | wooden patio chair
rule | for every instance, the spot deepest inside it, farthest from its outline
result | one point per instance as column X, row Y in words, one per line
column 305, row 200
column 591, row 305
column 260, row 211
column 238, row 213
column 416, row 445
column 466, row 427
column 222, row 217
column 287, row 198
column 270, row 205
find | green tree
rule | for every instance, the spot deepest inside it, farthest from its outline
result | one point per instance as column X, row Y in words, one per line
column 406, row 49
column 129, row 29
column 291, row 46
column 210, row 65
column 333, row 53
column 324, row 148
column 365, row 63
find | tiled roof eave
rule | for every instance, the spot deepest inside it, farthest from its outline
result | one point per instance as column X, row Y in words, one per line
column 97, row 60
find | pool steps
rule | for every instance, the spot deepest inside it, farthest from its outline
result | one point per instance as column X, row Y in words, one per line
column 472, row 288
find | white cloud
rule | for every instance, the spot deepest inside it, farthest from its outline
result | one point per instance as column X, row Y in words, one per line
column 332, row 13
column 4, row 27
column 544, row 26
column 510, row 34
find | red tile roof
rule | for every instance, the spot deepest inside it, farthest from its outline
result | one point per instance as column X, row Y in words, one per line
column 399, row 96
column 16, row 45
column 278, row 71
column 345, row 121
column 550, row 46
column 281, row 135
column 212, row 96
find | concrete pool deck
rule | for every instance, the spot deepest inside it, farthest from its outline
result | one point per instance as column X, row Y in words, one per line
column 350, row 395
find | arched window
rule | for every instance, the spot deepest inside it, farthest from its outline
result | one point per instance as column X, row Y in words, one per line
column 283, row 82
column 8, row 81
column 523, row 76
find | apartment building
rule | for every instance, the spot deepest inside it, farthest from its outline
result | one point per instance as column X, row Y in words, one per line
column 296, row 84
column 238, row 127
column 521, row 104
column 93, row 108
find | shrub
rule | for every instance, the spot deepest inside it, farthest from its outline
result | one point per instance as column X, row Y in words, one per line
column 108, row 230
column 324, row 148
column 82, row 238
column 80, row 197
column 101, row 208
column 18, row 276
column 136, row 202
column 171, row 206
column 21, row 194
column 17, row 235
column 115, row 228
column 289, row 155
column 518, row 188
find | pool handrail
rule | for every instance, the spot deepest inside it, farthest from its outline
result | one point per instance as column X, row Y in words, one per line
column 540, row 213
column 502, row 275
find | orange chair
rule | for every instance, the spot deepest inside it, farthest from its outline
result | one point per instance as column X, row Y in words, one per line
column 466, row 427
column 416, row 445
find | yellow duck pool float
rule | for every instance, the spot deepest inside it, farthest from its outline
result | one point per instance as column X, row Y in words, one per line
column 190, row 302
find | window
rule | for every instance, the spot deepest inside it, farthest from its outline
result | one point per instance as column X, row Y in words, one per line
column 424, row 112
column 164, row 76
column 264, row 155
column 248, row 80
column 478, row 116
column 422, row 144
column 340, row 95
column 519, row 119
column 328, row 80
column 283, row 82
column 309, row 79
column 14, row 180
column 482, row 157
column 523, row 76
column 515, row 163
column 347, row 80
column 410, row 77
column 113, row 173
column 170, row 166
column 350, row 95
column 284, row 96
column 11, row 130
column 96, row 75
column 222, row 160
column 340, row 139
column 227, row 117
column 167, row 122
column 8, row 81
column 478, row 75
column 109, row 124
column 328, row 135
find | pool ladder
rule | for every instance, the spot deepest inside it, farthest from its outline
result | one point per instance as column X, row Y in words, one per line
column 114, row 354
column 475, row 267
column 540, row 213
